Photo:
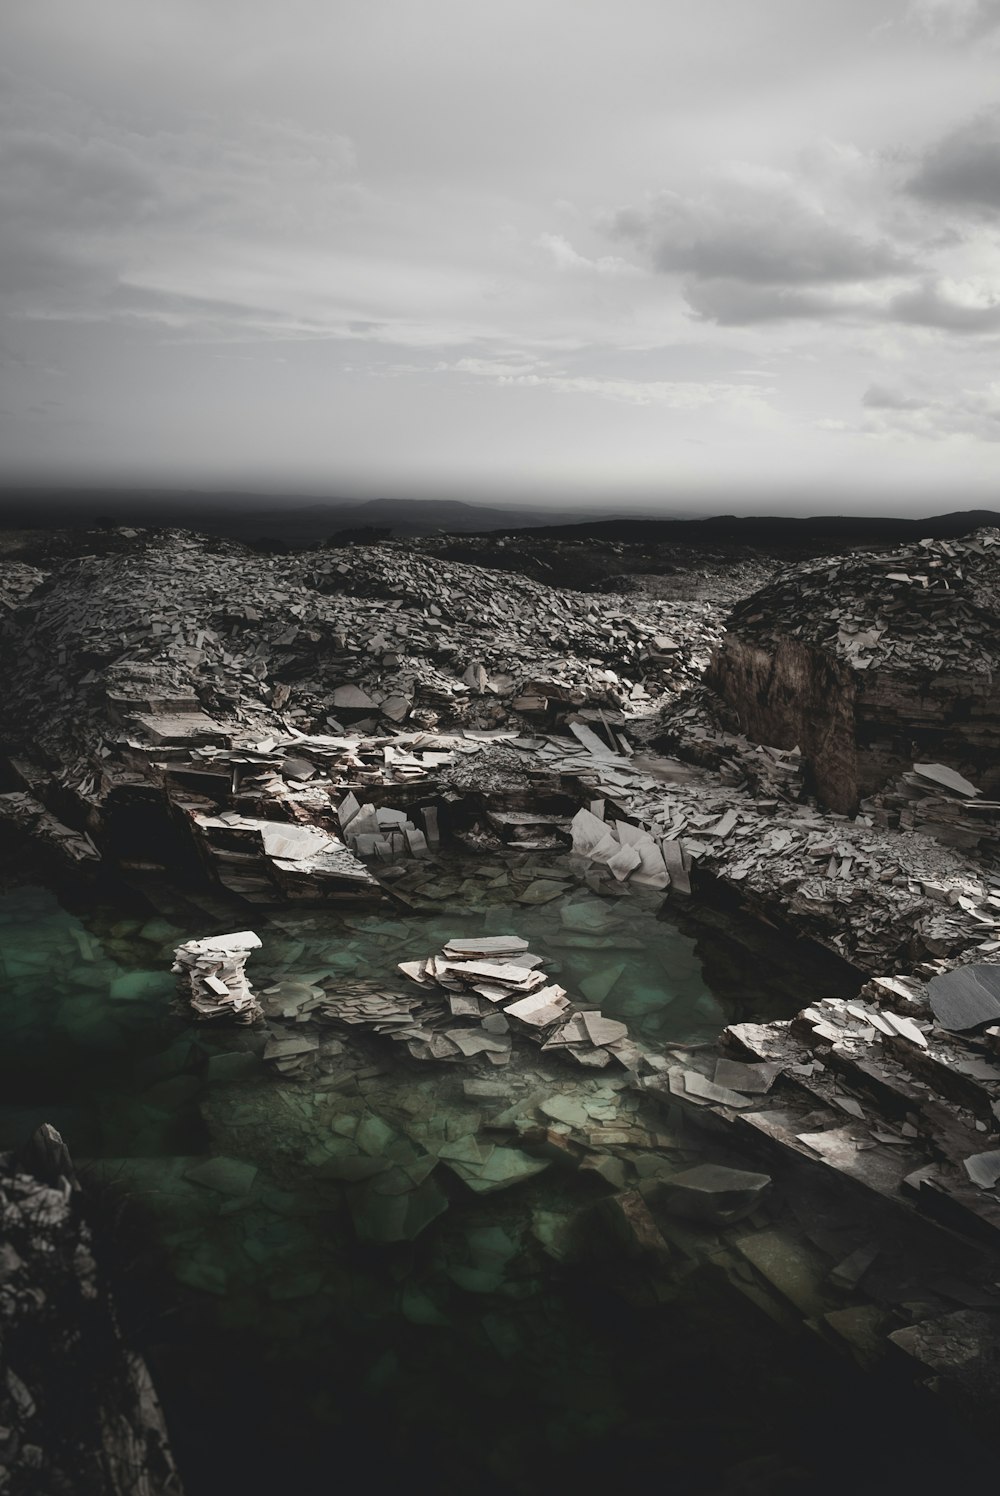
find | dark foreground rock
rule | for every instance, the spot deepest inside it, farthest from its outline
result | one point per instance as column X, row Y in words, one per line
column 78, row 1412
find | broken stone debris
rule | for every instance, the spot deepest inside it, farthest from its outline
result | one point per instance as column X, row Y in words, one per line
column 470, row 1002
column 630, row 853
column 373, row 831
column 510, row 994
column 213, row 976
column 145, row 655
column 267, row 861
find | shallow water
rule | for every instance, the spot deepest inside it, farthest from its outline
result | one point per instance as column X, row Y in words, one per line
column 327, row 1293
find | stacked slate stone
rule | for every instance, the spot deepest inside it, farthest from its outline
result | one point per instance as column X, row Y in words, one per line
column 213, row 977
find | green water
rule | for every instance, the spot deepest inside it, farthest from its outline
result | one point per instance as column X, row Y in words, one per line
column 490, row 1343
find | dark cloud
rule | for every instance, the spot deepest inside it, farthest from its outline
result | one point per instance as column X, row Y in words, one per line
column 736, row 303
column 963, row 169
column 759, row 250
column 765, row 234
column 930, row 306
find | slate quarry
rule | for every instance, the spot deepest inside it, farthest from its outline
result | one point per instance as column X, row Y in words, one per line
column 318, row 729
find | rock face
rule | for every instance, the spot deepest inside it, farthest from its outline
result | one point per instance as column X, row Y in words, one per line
column 868, row 662
column 78, row 1413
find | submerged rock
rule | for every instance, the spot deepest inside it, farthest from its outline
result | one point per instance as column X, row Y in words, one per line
column 714, row 1193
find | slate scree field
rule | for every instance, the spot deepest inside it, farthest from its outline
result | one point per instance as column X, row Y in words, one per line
column 386, row 924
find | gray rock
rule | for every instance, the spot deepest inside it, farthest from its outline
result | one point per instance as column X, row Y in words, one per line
column 967, row 997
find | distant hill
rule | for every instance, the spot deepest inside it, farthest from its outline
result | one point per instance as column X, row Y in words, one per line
column 777, row 532
column 244, row 516
column 299, row 519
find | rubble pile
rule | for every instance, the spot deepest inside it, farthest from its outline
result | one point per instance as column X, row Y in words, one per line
column 496, row 982
column 867, row 661
column 476, row 996
column 385, row 832
column 894, row 1098
column 213, row 976
column 175, row 677
column 179, row 624
column 880, row 898
column 18, row 581
column 78, row 1411
column 270, row 861
column 28, row 818
column 943, row 804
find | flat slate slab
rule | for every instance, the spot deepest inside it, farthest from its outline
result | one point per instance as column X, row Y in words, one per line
column 714, row 1192
column 229, row 1176
column 966, row 997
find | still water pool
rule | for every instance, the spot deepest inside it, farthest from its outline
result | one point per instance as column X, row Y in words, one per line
column 502, row 1345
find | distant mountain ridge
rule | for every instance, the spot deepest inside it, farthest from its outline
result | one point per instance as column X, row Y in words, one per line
column 301, row 520
column 778, row 531
column 293, row 517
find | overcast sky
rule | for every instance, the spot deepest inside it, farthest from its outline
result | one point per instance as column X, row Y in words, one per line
column 729, row 253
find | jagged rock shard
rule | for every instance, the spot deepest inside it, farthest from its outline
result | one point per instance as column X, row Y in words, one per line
column 601, row 1030
column 984, row 1168
column 751, row 1080
column 623, row 862
column 541, row 1008
column 354, row 699
column 284, row 1049
column 966, row 997
column 514, row 978
column 950, row 779
column 700, row 1089
column 588, row 832
column 904, row 1027
column 46, row 1157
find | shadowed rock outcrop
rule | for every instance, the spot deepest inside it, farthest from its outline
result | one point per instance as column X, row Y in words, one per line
column 869, row 662
column 78, row 1412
